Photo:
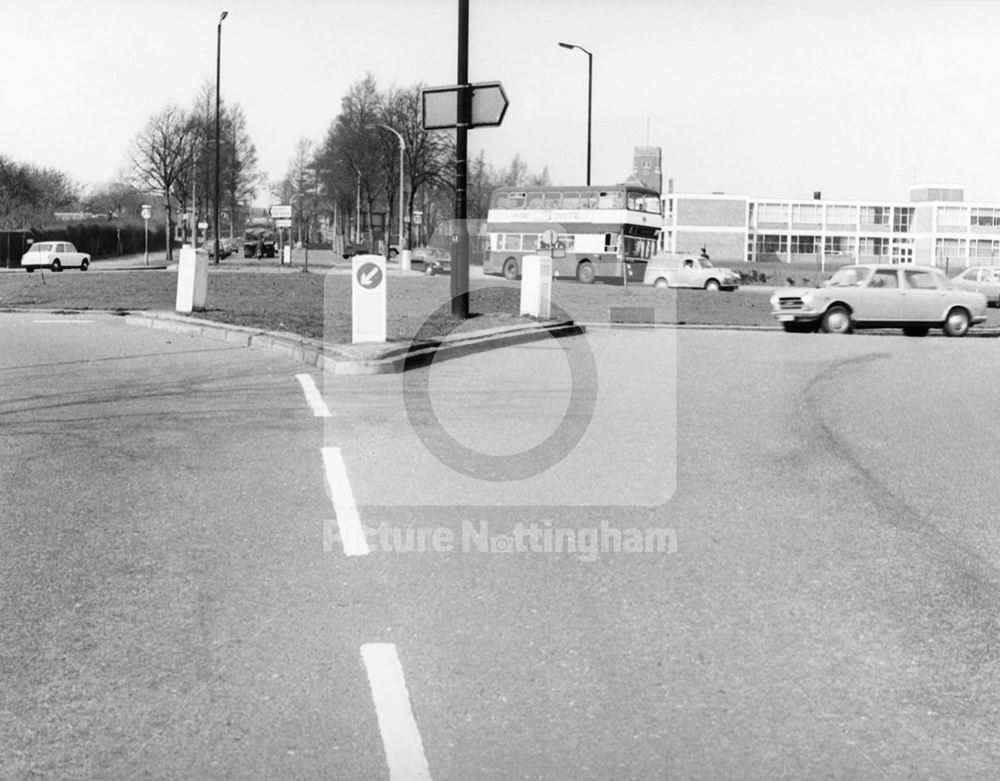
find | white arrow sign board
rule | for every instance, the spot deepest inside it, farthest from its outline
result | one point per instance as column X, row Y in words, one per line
column 368, row 299
column 440, row 105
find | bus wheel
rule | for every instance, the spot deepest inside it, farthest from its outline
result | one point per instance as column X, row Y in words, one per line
column 510, row 268
column 585, row 272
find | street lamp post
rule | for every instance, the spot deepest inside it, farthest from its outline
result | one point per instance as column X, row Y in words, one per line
column 218, row 63
column 590, row 94
column 404, row 253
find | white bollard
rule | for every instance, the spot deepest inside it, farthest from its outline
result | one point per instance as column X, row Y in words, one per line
column 406, row 258
column 286, row 255
column 192, row 280
column 536, row 286
column 368, row 299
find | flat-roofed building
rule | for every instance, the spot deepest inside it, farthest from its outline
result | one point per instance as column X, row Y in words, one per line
column 936, row 226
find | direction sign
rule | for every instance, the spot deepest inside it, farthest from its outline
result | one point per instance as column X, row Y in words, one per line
column 440, row 105
column 369, row 275
column 283, row 223
column 281, row 211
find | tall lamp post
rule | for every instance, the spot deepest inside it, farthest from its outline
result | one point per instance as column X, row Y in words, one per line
column 218, row 62
column 402, row 152
column 590, row 94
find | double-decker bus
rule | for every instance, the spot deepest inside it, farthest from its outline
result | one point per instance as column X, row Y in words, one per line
column 600, row 231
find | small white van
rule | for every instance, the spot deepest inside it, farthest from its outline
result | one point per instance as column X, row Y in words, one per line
column 675, row 269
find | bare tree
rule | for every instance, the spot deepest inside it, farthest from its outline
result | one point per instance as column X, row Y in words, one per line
column 241, row 177
column 159, row 154
column 299, row 179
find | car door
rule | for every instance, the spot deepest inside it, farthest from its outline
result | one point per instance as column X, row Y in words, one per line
column 878, row 301
column 924, row 296
column 688, row 274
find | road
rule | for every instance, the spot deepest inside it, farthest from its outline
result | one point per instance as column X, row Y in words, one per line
column 783, row 563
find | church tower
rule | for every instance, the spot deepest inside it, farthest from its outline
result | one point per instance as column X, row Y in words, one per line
column 647, row 168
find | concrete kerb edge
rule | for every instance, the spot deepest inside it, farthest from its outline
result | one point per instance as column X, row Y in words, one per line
column 313, row 352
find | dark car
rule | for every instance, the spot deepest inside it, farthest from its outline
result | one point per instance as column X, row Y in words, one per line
column 434, row 260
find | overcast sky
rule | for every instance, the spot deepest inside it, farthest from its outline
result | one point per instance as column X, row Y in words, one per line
column 777, row 99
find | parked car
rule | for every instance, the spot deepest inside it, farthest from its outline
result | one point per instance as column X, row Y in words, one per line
column 433, row 259
column 676, row 269
column 982, row 279
column 350, row 250
column 55, row 255
column 914, row 298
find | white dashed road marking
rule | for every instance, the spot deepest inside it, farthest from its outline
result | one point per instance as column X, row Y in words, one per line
column 313, row 396
column 352, row 535
column 404, row 750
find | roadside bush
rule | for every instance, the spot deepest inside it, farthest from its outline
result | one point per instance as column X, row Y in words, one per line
column 104, row 239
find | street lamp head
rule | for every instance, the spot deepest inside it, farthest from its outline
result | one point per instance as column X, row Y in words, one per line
column 223, row 16
column 566, row 45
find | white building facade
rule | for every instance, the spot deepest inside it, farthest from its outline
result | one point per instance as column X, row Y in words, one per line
column 935, row 227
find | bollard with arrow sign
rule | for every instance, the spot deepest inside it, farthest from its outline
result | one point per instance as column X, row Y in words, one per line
column 368, row 299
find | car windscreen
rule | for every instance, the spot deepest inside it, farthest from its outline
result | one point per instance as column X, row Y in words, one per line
column 848, row 277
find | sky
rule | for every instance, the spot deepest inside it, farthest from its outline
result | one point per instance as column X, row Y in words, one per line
column 770, row 98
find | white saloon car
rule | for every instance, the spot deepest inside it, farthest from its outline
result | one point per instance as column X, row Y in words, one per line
column 914, row 298
column 55, row 255
column 982, row 279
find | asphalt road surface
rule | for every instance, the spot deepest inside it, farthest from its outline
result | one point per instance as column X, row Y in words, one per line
column 636, row 554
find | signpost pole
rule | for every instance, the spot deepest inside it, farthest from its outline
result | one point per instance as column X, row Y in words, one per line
column 460, row 265
column 147, row 212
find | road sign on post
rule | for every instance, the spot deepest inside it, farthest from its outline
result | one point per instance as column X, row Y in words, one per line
column 368, row 299
column 282, row 211
column 440, row 106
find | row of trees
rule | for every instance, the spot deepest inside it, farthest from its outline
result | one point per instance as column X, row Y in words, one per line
column 30, row 195
column 356, row 168
column 174, row 155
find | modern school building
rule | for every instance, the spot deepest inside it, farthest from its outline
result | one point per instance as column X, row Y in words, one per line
column 936, row 226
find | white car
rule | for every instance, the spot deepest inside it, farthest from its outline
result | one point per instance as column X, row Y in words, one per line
column 675, row 269
column 982, row 279
column 914, row 298
column 55, row 255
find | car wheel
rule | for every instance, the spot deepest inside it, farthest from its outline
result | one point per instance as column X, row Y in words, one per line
column 84, row 264
column 712, row 284
column 429, row 271
column 837, row 320
column 585, row 273
column 916, row 331
column 56, row 265
column 510, row 269
column 957, row 323
column 661, row 282
column 393, row 253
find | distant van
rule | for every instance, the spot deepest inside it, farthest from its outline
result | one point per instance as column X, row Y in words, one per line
column 676, row 269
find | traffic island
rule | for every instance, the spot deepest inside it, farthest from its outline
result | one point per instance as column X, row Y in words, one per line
column 363, row 358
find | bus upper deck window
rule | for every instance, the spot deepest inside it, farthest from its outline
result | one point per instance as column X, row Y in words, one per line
column 515, row 200
column 534, row 200
column 588, row 201
column 571, row 200
column 552, row 200
column 610, row 200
